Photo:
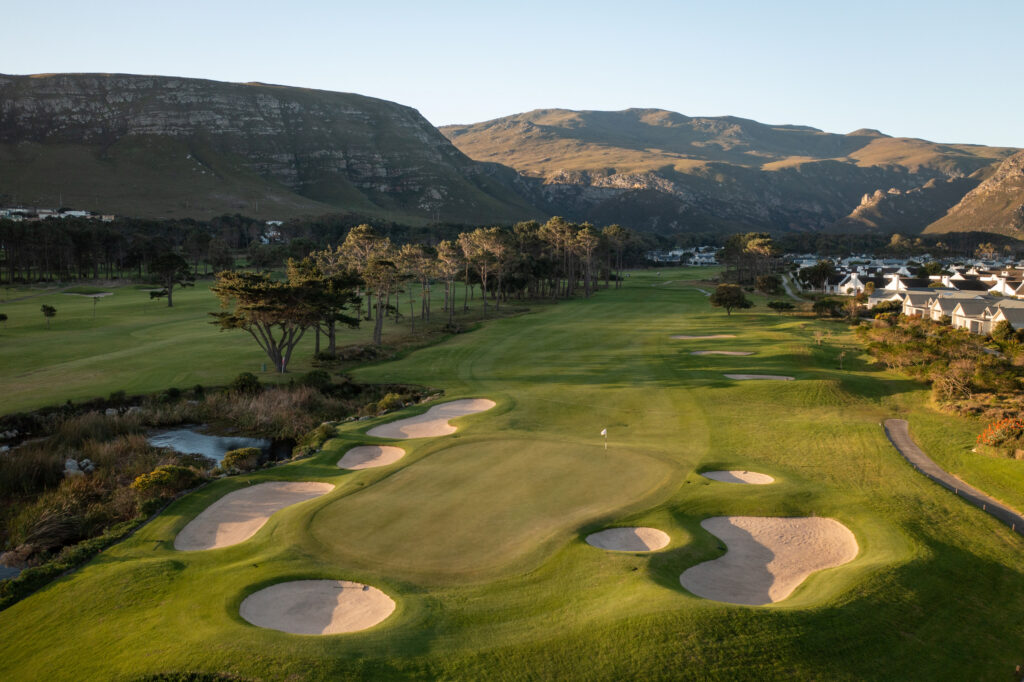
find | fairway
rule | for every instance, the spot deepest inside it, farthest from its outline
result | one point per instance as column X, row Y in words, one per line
column 479, row 535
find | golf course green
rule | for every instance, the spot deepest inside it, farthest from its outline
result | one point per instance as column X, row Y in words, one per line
column 479, row 536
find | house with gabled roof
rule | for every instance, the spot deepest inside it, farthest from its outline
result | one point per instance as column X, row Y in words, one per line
column 969, row 314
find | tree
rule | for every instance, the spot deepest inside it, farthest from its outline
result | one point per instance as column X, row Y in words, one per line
column 48, row 312
column 818, row 274
column 219, row 255
column 769, row 284
column 828, row 307
column 381, row 277
column 276, row 314
column 170, row 270
column 617, row 237
column 450, row 263
column 586, row 242
column 780, row 306
column 729, row 296
column 334, row 295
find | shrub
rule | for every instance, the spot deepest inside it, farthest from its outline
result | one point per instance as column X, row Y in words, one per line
column 166, row 480
column 171, row 395
column 117, row 398
column 390, row 402
column 30, row 469
column 73, row 432
column 780, row 306
column 1005, row 432
column 314, row 440
column 769, row 284
column 242, row 459
column 246, row 383
column 318, row 379
column 828, row 307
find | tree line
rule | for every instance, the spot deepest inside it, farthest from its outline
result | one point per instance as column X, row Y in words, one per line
column 365, row 276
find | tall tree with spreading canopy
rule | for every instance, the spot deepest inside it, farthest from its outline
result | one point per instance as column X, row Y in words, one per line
column 170, row 270
column 334, row 294
column 730, row 297
column 48, row 312
column 276, row 314
column 450, row 263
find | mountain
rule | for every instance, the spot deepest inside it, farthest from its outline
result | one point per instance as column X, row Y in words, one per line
column 660, row 170
column 152, row 146
column 996, row 205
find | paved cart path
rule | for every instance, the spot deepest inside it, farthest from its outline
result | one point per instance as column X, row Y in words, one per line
column 898, row 433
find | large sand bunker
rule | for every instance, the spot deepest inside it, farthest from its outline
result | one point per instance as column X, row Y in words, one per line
column 434, row 422
column 629, row 539
column 737, row 476
column 317, row 607
column 759, row 377
column 722, row 352
column 369, row 456
column 767, row 557
column 684, row 337
column 238, row 515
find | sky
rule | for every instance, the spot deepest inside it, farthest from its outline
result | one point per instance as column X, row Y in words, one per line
column 940, row 70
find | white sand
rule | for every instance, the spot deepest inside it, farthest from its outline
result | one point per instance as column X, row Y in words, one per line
column 317, row 607
column 629, row 539
column 434, row 422
column 759, row 377
column 722, row 352
column 737, row 476
column 369, row 456
column 767, row 557
column 684, row 337
column 238, row 515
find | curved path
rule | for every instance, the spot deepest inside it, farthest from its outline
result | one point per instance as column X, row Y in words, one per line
column 789, row 291
column 898, row 433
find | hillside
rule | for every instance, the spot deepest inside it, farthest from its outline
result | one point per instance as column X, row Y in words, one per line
column 154, row 146
column 666, row 171
column 996, row 205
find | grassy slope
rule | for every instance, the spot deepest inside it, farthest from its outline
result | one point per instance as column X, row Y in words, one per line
column 535, row 601
column 135, row 344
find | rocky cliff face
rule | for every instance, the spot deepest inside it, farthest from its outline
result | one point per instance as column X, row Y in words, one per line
column 996, row 205
column 664, row 171
column 326, row 149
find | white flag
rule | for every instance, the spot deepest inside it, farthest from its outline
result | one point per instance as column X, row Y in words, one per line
column 604, row 432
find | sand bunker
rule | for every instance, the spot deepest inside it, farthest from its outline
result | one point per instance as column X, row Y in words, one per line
column 722, row 352
column 684, row 337
column 767, row 557
column 737, row 476
column 369, row 456
column 759, row 377
column 317, row 607
column 434, row 422
column 238, row 515
column 629, row 539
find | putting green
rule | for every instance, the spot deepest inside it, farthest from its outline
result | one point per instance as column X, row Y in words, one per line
column 494, row 502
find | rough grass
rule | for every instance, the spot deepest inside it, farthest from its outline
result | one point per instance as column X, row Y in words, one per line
column 935, row 592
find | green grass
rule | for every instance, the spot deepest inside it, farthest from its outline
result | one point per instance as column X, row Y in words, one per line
column 140, row 345
column 478, row 536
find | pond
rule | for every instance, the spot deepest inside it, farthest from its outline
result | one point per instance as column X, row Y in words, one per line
column 187, row 440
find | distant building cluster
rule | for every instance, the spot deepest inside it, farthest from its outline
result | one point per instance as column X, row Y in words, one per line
column 31, row 214
column 700, row 255
column 972, row 296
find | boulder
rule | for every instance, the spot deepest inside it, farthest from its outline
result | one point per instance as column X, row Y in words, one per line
column 111, row 412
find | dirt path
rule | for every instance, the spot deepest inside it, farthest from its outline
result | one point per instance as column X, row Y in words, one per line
column 789, row 290
column 899, row 434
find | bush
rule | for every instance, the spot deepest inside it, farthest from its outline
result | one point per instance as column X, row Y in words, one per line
column 828, row 307
column 314, row 440
column 887, row 307
column 1003, row 433
column 390, row 402
column 318, row 379
column 171, row 395
column 117, row 398
column 769, row 284
column 166, row 480
column 242, row 459
column 780, row 306
column 246, row 383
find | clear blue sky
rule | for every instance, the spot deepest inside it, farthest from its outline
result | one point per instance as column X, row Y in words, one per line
column 942, row 70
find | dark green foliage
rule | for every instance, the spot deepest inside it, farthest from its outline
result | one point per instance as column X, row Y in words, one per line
column 780, row 306
column 730, row 297
column 242, row 459
column 818, row 274
column 317, row 378
column 314, row 440
column 167, row 480
column 48, row 312
column 246, row 383
column 769, row 284
column 887, row 307
column 828, row 307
